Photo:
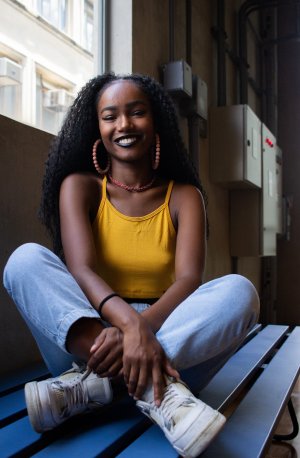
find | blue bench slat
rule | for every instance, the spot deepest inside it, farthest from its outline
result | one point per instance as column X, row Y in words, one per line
column 91, row 434
column 254, row 331
column 94, row 435
column 11, row 404
column 20, row 377
column 247, row 430
column 15, row 437
column 231, row 379
column 152, row 443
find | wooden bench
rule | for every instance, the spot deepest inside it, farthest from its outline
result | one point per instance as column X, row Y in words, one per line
column 258, row 380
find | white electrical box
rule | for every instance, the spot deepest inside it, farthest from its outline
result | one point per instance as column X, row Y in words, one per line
column 58, row 100
column 269, row 193
column 279, row 196
column 255, row 213
column 10, row 72
column 200, row 97
column 235, row 147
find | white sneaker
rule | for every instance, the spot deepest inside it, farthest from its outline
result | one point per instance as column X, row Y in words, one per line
column 51, row 402
column 188, row 423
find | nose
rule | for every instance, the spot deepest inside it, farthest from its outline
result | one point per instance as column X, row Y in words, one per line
column 124, row 122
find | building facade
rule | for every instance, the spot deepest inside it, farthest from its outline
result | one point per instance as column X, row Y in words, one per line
column 46, row 56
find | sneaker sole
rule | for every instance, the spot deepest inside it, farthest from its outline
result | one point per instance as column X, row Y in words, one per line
column 204, row 437
column 32, row 399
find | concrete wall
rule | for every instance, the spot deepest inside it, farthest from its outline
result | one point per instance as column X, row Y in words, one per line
column 23, row 152
column 288, row 291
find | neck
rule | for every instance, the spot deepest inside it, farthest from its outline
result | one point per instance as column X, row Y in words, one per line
column 132, row 188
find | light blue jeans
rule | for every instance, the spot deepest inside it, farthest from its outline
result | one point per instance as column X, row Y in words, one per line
column 198, row 337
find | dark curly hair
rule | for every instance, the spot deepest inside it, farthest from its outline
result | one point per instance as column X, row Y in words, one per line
column 71, row 150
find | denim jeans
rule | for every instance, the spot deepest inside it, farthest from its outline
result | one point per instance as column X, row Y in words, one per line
column 198, row 336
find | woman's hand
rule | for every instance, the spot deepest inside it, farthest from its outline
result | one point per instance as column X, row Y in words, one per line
column 107, row 352
column 144, row 360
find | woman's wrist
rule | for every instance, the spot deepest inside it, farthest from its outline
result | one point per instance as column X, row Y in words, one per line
column 119, row 313
column 104, row 300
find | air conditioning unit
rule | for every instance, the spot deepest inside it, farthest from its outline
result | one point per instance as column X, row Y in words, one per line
column 10, row 72
column 58, row 100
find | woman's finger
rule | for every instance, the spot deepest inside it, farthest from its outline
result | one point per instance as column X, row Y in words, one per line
column 133, row 379
column 112, row 371
column 142, row 382
column 98, row 341
column 159, row 383
column 169, row 370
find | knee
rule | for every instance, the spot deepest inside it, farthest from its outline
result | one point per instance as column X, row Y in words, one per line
column 21, row 262
column 244, row 293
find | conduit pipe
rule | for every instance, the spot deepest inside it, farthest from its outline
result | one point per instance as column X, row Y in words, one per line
column 246, row 9
column 171, row 31
column 221, row 54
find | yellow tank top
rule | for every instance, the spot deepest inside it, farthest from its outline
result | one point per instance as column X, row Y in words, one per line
column 135, row 254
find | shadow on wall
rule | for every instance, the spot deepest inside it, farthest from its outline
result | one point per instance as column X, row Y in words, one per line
column 23, row 150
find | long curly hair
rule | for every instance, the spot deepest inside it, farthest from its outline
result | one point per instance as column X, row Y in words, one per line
column 71, row 150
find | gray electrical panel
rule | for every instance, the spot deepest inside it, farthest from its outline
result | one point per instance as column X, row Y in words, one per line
column 178, row 78
column 235, row 147
column 255, row 213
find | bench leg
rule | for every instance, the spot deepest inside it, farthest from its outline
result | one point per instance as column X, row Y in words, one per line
column 293, row 434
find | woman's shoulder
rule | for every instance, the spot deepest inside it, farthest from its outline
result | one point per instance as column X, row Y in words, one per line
column 185, row 192
column 83, row 185
column 81, row 178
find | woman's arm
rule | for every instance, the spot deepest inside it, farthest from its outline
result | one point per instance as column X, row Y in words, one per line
column 189, row 209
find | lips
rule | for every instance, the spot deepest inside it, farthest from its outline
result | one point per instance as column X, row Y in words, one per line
column 127, row 140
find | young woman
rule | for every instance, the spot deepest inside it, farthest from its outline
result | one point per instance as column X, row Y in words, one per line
column 123, row 293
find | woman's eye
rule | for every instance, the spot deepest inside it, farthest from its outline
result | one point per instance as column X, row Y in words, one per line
column 138, row 113
column 108, row 118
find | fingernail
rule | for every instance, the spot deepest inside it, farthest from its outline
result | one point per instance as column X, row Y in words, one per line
column 92, row 347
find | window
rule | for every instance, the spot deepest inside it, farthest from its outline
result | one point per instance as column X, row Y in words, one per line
column 55, row 12
column 10, row 88
column 88, row 25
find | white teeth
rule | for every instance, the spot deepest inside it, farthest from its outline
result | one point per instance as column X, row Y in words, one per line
column 126, row 141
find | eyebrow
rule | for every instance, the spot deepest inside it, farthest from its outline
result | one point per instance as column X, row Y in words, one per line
column 128, row 105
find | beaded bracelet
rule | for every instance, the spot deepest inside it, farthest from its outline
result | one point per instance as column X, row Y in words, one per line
column 105, row 300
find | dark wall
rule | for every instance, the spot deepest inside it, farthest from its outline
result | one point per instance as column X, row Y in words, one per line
column 288, row 286
column 23, row 151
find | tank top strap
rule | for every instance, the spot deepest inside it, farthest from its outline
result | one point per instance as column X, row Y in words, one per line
column 103, row 192
column 168, row 195
column 104, row 182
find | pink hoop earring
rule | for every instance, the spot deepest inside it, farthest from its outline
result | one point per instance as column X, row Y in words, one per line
column 156, row 158
column 95, row 161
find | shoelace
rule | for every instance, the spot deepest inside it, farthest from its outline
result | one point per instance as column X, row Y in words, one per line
column 74, row 396
column 171, row 401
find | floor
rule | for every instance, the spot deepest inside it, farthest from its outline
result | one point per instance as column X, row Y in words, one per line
column 290, row 449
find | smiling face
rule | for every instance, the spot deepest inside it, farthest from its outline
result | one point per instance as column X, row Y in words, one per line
column 126, row 122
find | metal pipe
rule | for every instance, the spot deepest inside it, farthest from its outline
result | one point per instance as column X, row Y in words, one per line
column 171, row 31
column 221, row 54
column 246, row 9
column 188, row 28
